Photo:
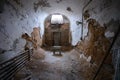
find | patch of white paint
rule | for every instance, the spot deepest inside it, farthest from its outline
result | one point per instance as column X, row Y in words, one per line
column 109, row 34
column 88, row 59
column 83, row 56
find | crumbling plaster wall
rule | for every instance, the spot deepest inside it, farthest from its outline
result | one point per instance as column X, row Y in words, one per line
column 20, row 16
column 107, row 13
column 104, row 14
column 15, row 20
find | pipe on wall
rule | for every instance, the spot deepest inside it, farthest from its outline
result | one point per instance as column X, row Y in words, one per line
column 82, row 17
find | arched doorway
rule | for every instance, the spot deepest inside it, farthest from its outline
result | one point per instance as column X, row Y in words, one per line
column 57, row 31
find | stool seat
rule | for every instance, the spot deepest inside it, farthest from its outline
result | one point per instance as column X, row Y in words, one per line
column 56, row 49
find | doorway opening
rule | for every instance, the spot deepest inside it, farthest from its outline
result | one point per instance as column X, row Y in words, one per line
column 57, row 32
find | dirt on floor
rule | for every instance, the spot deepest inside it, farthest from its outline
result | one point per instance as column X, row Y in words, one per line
column 46, row 66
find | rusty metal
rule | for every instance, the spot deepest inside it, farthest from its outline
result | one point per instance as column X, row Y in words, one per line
column 10, row 67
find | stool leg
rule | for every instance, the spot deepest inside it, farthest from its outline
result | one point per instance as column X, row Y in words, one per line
column 53, row 52
column 60, row 52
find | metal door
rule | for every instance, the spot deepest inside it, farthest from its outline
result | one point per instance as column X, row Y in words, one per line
column 56, row 38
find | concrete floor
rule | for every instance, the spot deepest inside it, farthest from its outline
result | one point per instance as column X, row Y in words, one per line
column 46, row 66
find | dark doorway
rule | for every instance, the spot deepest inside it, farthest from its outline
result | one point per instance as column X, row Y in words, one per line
column 56, row 38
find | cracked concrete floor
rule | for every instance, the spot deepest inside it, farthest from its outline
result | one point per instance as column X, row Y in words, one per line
column 46, row 66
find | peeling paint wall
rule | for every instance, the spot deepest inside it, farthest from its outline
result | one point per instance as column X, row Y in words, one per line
column 106, row 12
column 100, row 26
column 107, row 15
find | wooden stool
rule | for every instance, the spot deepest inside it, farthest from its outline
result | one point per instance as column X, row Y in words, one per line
column 56, row 49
